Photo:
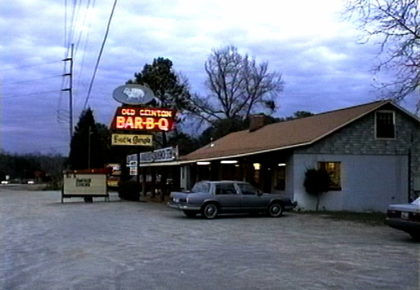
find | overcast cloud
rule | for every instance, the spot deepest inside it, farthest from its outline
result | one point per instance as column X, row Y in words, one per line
column 309, row 42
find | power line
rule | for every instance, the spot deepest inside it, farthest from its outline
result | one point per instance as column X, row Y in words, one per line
column 30, row 80
column 86, row 41
column 28, row 65
column 30, row 94
column 100, row 54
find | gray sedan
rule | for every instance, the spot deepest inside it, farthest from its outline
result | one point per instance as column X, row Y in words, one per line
column 405, row 217
column 213, row 197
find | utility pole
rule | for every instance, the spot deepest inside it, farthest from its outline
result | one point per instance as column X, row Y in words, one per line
column 70, row 89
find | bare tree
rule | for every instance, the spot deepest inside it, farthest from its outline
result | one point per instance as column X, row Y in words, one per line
column 397, row 24
column 238, row 86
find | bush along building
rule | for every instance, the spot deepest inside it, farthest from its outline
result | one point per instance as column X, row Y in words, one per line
column 371, row 152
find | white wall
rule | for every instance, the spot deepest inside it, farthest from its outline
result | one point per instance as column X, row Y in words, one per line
column 184, row 176
column 368, row 182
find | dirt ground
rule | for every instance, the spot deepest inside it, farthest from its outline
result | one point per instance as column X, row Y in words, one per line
column 144, row 245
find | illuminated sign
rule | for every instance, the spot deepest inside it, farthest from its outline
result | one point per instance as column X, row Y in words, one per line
column 133, row 94
column 131, row 140
column 143, row 119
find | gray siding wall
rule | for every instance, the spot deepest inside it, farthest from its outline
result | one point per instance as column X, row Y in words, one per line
column 358, row 138
column 368, row 182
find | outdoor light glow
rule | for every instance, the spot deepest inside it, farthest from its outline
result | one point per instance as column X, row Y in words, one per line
column 229, row 161
column 257, row 166
column 203, row 163
column 281, row 164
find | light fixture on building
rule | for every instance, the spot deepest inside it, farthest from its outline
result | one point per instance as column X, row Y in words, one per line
column 281, row 164
column 203, row 163
column 229, row 161
column 257, row 166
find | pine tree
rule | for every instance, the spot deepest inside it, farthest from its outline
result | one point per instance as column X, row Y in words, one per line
column 87, row 149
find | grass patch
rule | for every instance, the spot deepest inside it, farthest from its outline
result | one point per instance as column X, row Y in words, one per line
column 370, row 218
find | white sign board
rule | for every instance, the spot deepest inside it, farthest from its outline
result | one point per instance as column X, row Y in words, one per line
column 159, row 155
column 85, row 184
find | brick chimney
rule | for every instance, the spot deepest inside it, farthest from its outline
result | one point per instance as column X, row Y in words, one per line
column 256, row 122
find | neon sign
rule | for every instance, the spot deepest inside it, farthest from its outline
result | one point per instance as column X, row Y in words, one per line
column 143, row 119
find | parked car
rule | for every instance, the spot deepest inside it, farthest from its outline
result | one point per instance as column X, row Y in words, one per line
column 405, row 217
column 213, row 197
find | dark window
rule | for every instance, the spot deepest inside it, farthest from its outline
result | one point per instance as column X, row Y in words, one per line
column 225, row 188
column 280, row 180
column 334, row 170
column 247, row 188
column 385, row 125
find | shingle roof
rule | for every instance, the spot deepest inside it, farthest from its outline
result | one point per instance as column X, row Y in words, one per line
column 282, row 135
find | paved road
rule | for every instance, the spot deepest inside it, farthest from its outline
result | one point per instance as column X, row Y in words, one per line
column 127, row 245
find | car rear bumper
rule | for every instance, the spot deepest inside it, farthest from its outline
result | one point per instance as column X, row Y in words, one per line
column 290, row 206
column 404, row 225
column 181, row 206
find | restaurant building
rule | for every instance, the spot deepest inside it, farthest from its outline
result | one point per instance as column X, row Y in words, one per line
column 371, row 151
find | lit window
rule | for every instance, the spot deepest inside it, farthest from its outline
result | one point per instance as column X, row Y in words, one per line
column 334, row 170
column 385, row 124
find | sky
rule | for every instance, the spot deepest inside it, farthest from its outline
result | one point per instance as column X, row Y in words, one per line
column 317, row 50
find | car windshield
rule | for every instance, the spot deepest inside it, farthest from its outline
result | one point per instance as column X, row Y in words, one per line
column 417, row 201
column 201, row 187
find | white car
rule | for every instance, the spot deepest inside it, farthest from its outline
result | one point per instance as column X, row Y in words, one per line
column 405, row 217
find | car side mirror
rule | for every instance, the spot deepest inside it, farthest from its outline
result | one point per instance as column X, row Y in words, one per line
column 259, row 193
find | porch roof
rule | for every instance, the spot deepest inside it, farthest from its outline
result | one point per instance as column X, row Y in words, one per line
column 282, row 135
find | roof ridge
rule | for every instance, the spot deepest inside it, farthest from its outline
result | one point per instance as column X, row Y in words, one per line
column 349, row 108
column 319, row 114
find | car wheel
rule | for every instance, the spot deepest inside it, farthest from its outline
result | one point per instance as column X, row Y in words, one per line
column 275, row 209
column 209, row 210
column 189, row 213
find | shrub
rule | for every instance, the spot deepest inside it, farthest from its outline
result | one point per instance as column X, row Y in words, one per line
column 317, row 181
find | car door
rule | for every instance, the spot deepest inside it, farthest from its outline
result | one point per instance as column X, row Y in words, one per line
column 251, row 197
column 227, row 196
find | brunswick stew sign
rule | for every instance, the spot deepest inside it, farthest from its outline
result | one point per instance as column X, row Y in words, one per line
column 143, row 119
column 131, row 140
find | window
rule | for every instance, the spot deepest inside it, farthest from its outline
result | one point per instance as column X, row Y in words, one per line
column 280, row 177
column 201, row 187
column 385, row 124
column 225, row 188
column 334, row 170
column 247, row 188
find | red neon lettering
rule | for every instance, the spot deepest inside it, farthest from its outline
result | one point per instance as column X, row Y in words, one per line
column 128, row 112
column 120, row 122
column 143, row 123
column 150, row 123
column 129, row 124
column 163, row 124
column 138, row 123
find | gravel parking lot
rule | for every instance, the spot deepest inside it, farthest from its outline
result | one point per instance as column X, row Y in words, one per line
column 131, row 245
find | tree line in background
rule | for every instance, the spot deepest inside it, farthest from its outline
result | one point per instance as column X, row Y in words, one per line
column 36, row 167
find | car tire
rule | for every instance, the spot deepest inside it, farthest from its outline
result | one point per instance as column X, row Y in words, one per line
column 210, row 210
column 275, row 209
column 189, row 213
